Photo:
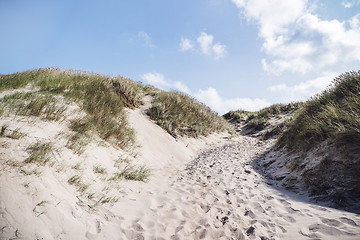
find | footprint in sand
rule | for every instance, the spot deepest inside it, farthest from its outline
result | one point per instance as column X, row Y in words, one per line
column 289, row 219
column 331, row 222
column 328, row 230
column 93, row 229
column 348, row 221
column 250, row 214
column 130, row 234
column 137, row 227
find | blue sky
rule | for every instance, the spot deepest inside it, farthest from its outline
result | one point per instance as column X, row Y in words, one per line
column 229, row 54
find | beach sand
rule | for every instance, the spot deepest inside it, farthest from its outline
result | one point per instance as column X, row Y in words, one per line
column 204, row 188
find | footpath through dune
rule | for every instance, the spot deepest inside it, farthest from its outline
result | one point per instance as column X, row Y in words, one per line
column 219, row 195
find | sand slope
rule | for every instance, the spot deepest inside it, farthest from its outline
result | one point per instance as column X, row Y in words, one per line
column 215, row 194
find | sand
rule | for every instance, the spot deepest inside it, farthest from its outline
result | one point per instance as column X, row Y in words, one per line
column 199, row 189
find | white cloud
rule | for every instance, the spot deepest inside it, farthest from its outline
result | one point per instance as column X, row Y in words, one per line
column 186, row 45
column 182, row 87
column 350, row 4
column 219, row 50
column 347, row 4
column 304, row 90
column 158, row 80
column 210, row 96
column 147, row 39
column 212, row 99
column 295, row 39
column 205, row 40
column 206, row 46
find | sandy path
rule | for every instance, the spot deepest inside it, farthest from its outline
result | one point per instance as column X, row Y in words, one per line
column 220, row 196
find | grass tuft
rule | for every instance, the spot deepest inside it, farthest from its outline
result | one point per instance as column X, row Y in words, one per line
column 3, row 129
column 39, row 153
column 76, row 181
column 132, row 173
column 98, row 169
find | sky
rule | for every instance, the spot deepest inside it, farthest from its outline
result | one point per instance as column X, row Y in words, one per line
column 229, row 54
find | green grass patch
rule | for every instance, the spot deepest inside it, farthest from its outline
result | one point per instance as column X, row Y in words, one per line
column 182, row 115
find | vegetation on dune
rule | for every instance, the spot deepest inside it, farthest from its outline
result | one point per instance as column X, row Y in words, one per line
column 33, row 104
column 182, row 115
column 103, row 98
column 260, row 120
column 269, row 121
column 321, row 138
column 237, row 116
column 328, row 126
column 333, row 115
column 132, row 173
column 39, row 153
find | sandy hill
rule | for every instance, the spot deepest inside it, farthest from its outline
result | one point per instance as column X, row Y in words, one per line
column 86, row 156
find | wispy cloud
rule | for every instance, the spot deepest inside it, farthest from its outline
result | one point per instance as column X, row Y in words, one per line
column 205, row 40
column 186, row 44
column 182, row 87
column 212, row 98
column 219, row 50
column 205, row 46
column 349, row 3
column 295, row 39
column 158, row 80
column 155, row 78
column 304, row 90
column 209, row 96
column 147, row 39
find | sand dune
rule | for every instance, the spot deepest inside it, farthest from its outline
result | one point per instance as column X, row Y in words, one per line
column 199, row 189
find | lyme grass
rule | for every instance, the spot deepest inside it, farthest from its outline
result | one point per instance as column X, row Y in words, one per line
column 34, row 104
column 77, row 142
column 39, row 153
column 3, row 130
column 182, row 115
column 132, row 173
column 258, row 121
column 103, row 98
column 99, row 170
column 15, row 134
column 236, row 116
column 76, row 181
column 333, row 115
column 328, row 127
